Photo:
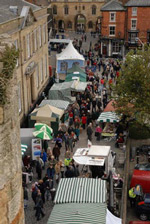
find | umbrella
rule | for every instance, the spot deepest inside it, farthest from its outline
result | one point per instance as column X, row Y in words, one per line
column 110, row 107
column 42, row 135
column 43, row 127
column 23, row 148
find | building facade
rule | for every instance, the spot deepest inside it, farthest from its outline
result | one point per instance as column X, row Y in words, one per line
column 77, row 15
column 28, row 30
column 113, row 29
column 138, row 23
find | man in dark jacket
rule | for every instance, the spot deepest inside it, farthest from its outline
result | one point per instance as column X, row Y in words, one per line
column 39, row 206
column 89, row 131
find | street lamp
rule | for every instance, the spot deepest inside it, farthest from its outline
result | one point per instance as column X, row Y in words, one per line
column 138, row 39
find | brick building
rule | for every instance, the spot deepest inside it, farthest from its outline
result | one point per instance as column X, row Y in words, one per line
column 113, row 29
column 27, row 26
column 77, row 15
column 138, row 23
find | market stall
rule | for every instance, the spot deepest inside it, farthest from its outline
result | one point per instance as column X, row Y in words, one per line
column 96, row 155
column 110, row 119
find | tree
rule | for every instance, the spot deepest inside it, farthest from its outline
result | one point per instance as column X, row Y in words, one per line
column 132, row 90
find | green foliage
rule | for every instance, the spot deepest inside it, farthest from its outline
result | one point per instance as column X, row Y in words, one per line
column 132, row 90
column 9, row 60
column 137, row 131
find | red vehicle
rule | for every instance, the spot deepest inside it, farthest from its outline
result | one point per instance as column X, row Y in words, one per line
column 141, row 175
column 139, row 222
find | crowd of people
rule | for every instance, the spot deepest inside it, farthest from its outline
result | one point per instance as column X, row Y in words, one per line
column 83, row 114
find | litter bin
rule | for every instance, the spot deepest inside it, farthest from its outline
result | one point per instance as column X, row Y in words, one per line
column 53, row 192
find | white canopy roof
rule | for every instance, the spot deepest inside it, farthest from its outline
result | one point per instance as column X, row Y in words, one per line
column 70, row 53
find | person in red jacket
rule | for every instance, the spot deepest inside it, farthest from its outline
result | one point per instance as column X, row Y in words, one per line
column 84, row 120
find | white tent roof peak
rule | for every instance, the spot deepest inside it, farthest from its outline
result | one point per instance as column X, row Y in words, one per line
column 70, row 53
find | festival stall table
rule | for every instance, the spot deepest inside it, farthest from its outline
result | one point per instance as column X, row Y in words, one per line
column 110, row 118
column 95, row 156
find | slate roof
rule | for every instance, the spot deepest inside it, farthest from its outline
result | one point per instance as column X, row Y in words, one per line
column 6, row 14
column 113, row 5
column 138, row 3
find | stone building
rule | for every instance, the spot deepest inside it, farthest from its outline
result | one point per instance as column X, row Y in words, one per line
column 113, row 29
column 11, row 199
column 77, row 15
column 27, row 26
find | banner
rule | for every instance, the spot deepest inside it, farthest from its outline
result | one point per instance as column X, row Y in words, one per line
column 36, row 148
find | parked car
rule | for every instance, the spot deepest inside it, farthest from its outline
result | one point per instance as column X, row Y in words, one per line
column 143, row 208
column 141, row 174
column 139, row 222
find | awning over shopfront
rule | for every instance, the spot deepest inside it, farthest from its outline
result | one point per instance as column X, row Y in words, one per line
column 61, row 104
column 76, row 76
column 75, row 68
column 81, row 190
column 110, row 117
column 75, row 213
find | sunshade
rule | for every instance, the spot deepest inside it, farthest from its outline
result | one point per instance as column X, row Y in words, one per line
column 42, row 135
column 81, row 76
column 75, row 213
column 23, row 148
column 81, row 190
column 110, row 107
column 110, row 117
column 43, row 127
column 75, row 68
column 46, row 113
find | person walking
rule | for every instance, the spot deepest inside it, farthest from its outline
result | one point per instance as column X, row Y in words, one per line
column 98, row 132
column 89, row 131
column 132, row 197
column 39, row 165
column 39, row 207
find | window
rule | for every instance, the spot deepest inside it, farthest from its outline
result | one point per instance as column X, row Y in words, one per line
column 133, row 24
column 46, row 65
column 44, row 33
column 116, row 47
column 19, row 97
column 148, row 36
column 66, row 10
column 16, row 46
column 37, row 76
column 134, row 11
column 112, row 31
column 76, row 7
column 55, row 10
column 35, row 40
column 41, row 67
column 83, row 7
column 24, row 49
column 40, row 37
column 28, row 45
column 112, row 17
column 90, row 25
column 132, row 37
column 69, row 25
column 93, row 10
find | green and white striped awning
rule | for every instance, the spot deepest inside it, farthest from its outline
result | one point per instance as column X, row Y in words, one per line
column 110, row 117
column 75, row 213
column 81, row 190
column 23, row 148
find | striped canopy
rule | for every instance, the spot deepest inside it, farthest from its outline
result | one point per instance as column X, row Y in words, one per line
column 81, row 190
column 110, row 117
column 23, row 148
column 74, row 213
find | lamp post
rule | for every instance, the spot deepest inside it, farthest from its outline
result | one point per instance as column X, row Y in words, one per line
column 138, row 39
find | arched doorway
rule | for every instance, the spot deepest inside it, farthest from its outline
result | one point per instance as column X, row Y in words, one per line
column 80, row 23
column 61, row 26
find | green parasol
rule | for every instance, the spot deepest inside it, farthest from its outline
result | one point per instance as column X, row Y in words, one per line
column 42, row 135
column 43, row 127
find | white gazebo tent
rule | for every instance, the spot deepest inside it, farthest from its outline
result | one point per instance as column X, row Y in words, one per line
column 67, row 58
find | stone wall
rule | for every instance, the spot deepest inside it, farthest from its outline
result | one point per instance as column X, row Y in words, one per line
column 11, row 200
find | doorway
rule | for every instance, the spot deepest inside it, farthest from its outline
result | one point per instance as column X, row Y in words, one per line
column 80, row 23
